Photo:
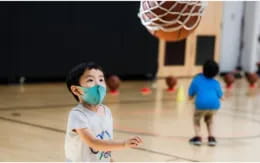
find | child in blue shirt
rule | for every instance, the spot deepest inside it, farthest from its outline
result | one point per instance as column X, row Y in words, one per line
column 207, row 92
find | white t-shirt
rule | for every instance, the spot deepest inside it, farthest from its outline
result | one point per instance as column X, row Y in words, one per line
column 100, row 125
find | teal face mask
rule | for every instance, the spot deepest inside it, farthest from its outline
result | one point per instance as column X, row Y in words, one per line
column 94, row 95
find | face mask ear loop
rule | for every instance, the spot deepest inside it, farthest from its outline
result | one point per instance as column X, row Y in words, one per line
column 79, row 87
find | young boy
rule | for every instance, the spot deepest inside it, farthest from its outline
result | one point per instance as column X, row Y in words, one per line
column 90, row 125
column 208, row 93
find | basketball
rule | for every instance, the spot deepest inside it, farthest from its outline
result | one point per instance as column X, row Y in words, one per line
column 171, row 20
column 113, row 82
column 229, row 80
column 171, row 82
column 251, row 78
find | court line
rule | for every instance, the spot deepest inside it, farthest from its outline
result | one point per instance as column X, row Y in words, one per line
column 34, row 107
column 179, row 137
column 74, row 104
column 165, row 154
column 171, row 160
column 140, row 133
column 132, row 131
column 151, row 134
column 32, row 125
column 115, row 102
column 242, row 111
column 63, row 131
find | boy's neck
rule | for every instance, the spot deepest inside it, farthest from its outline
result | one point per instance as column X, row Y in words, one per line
column 93, row 108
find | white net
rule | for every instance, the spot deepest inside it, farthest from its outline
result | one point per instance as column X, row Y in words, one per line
column 158, row 15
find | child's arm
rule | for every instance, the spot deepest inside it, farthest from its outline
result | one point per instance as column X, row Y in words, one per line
column 192, row 90
column 219, row 91
column 106, row 145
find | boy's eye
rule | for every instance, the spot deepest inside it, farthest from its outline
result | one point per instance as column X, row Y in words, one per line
column 90, row 80
column 101, row 80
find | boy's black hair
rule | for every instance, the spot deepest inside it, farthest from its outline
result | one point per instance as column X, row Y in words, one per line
column 210, row 69
column 76, row 72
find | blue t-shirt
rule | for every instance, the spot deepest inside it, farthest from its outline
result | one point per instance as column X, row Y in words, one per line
column 207, row 92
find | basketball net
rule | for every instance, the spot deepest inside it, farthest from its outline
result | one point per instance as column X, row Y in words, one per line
column 187, row 11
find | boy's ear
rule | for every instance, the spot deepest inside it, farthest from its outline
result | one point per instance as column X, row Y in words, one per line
column 76, row 91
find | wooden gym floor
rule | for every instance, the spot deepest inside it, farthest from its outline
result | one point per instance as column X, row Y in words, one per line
column 33, row 121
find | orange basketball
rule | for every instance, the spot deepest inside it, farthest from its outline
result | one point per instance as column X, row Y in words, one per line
column 171, row 81
column 113, row 82
column 171, row 20
column 172, row 36
column 251, row 78
column 229, row 79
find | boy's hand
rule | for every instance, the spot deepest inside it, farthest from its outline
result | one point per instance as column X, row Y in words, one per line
column 133, row 142
column 112, row 160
